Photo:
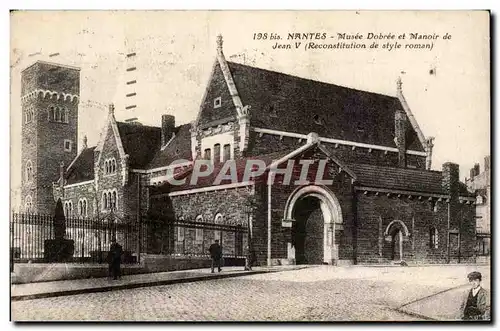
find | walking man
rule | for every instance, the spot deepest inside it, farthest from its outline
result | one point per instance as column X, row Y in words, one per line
column 476, row 303
column 216, row 255
column 115, row 257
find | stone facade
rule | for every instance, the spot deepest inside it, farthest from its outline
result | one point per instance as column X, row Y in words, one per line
column 375, row 200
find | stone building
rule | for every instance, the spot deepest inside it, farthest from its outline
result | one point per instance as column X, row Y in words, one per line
column 366, row 194
column 479, row 183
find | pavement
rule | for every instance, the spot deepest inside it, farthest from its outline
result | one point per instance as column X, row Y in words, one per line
column 315, row 293
column 40, row 290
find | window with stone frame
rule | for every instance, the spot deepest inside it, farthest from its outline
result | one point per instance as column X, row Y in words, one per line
column 28, row 204
column 110, row 166
column 219, row 219
column 217, row 102
column 207, row 155
column 217, row 153
column 199, row 231
column 29, row 171
column 68, row 145
column 226, row 153
column 433, row 238
column 82, row 207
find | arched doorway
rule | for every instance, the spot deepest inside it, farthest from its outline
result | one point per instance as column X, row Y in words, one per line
column 395, row 233
column 314, row 210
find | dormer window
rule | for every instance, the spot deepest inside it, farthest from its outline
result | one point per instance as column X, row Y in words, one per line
column 217, row 102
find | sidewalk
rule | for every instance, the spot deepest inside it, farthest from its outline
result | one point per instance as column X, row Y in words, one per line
column 79, row 286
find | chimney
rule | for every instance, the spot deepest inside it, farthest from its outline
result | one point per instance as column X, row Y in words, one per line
column 167, row 128
column 450, row 184
column 450, row 179
column 400, row 135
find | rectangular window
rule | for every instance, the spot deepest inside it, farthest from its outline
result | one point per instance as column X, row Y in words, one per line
column 217, row 152
column 217, row 102
column 67, row 145
column 199, row 234
column 207, row 154
column 180, row 233
column 226, row 153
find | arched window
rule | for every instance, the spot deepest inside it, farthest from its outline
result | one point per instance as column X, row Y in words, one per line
column 66, row 115
column 80, row 207
column 114, row 166
column 434, row 238
column 113, row 206
column 199, row 231
column 85, row 211
column 52, row 115
column 105, row 200
column 29, row 171
column 28, row 204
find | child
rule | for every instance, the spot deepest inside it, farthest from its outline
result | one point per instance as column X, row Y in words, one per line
column 476, row 303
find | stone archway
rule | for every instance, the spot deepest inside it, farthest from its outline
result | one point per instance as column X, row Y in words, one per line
column 396, row 233
column 315, row 211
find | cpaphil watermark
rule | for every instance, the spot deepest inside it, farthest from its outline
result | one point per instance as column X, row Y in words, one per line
column 250, row 170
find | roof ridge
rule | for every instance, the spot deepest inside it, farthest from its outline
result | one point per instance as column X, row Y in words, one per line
column 392, row 167
column 313, row 80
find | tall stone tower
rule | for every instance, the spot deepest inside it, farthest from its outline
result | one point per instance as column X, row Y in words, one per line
column 49, row 100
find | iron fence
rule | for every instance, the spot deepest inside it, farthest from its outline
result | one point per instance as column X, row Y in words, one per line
column 92, row 237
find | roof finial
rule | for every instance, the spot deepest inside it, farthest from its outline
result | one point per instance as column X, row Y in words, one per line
column 85, row 142
column 399, row 84
column 219, row 43
column 111, row 109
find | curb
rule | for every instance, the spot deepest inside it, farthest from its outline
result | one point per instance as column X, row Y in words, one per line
column 135, row 285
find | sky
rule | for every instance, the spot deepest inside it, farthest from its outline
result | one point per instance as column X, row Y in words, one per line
column 176, row 51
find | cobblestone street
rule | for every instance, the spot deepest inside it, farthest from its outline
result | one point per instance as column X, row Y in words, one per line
column 314, row 294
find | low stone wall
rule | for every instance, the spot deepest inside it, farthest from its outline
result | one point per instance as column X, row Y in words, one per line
column 43, row 272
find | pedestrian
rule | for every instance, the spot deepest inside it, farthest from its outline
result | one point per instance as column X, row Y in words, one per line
column 476, row 302
column 216, row 255
column 114, row 258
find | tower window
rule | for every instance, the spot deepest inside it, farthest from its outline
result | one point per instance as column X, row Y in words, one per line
column 58, row 114
column 29, row 171
column 217, row 102
column 67, row 145
column 28, row 204
column 29, row 115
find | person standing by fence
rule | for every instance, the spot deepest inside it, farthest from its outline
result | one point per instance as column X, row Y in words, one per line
column 216, row 255
column 114, row 258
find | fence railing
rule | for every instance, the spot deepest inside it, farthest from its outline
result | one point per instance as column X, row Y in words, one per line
column 92, row 237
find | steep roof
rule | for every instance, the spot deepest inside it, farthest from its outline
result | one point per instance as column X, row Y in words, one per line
column 82, row 168
column 178, row 148
column 406, row 179
column 140, row 142
column 299, row 104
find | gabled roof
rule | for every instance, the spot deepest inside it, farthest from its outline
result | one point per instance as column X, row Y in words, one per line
column 82, row 168
column 406, row 179
column 140, row 142
column 293, row 104
column 178, row 148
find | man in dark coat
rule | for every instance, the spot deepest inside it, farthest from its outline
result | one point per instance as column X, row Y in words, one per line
column 476, row 302
column 115, row 256
column 216, row 255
